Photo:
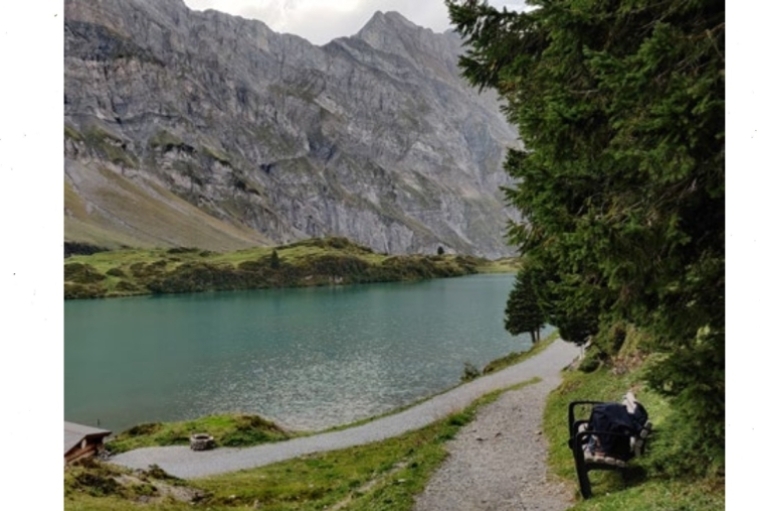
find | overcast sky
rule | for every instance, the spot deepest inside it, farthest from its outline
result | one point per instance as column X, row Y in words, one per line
column 320, row 21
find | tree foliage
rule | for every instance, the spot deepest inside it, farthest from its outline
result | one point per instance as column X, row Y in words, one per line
column 620, row 105
column 524, row 312
column 274, row 260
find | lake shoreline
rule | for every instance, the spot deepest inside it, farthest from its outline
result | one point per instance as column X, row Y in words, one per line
column 180, row 462
column 150, row 434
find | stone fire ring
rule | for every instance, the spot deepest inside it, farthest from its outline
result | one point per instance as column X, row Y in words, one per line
column 201, row 442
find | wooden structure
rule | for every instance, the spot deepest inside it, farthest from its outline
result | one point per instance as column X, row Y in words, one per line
column 81, row 441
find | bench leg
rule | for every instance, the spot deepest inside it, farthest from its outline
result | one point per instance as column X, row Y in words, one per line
column 583, row 480
column 582, row 471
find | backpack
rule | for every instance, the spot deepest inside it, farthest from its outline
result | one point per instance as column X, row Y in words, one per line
column 616, row 418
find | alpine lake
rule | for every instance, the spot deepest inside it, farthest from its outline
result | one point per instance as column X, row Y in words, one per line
column 308, row 358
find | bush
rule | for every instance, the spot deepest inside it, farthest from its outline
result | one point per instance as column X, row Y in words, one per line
column 193, row 277
column 181, row 250
column 592, row 359
column 71, row 248
column 156, row 472
column 98, row 486
column 81, row 291
column 81, row 273
column 339, row 266
column 142, row 429
column 274, row 260
column 116, row 272
column 470, row 372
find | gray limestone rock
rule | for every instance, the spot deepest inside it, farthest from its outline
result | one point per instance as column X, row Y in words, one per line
column 374, row 137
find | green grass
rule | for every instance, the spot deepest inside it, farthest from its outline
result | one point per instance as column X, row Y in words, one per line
column 227, row 430
column 503, row 265
column 649, row 489
column 516, row 358
column 383, row 475
column 312, row 262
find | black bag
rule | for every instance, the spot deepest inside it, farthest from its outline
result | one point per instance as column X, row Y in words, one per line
column 614, row 418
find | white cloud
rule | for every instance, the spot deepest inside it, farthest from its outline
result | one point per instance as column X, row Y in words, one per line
column 320, row 21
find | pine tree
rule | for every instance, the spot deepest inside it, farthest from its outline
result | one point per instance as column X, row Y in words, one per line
column 274, row 260
column 620, row 105
column 523, row 312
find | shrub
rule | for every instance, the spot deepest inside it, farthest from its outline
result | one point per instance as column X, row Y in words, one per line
column 143, row 429
column 193, row 277
column 181, row 250
column 592, row 359
column 81, row 273
column 80, row 291
column 116, row 272
column 125, row 285
column 274, row 260
column 470, row 372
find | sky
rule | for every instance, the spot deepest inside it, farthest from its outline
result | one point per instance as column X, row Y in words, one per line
column 321, row 21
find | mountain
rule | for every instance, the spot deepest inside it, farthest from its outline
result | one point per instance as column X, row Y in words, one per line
column 209, row 130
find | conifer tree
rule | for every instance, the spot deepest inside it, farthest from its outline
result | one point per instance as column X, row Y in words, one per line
column 523, row 312
column 620, row 105
column 274, row 260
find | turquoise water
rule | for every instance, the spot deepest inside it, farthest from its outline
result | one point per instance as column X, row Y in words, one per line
column 309, row 358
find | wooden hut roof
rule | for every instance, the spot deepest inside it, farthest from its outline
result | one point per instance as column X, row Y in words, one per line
column 74, row 433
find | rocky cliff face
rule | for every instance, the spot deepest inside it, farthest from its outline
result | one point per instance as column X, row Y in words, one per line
column 205, row 129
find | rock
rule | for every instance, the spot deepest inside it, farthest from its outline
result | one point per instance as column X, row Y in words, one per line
column 259, row 137
column 201, row 442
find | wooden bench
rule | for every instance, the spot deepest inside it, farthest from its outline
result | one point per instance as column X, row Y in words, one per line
column 581, row 440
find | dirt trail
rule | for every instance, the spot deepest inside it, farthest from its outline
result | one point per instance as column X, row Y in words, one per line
column 498, row 461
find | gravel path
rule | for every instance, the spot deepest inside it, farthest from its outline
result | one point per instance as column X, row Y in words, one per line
column 180, row 461
column 498, row 461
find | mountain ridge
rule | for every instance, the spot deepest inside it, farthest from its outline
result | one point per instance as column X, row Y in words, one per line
column 374, row 136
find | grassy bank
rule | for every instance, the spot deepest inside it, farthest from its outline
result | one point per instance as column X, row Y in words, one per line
column 517, row 357
column 380, row 476
column 227, row 430
column 230, row 430
column 651, row 486
column 315, row 262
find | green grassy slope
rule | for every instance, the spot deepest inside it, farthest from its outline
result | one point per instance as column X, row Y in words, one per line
column 118, row 213
column 307, row 263
column 650, row 488
column 383, row 475
column 227, row 430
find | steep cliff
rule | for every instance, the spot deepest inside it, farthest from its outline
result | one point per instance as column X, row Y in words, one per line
column 210, row 130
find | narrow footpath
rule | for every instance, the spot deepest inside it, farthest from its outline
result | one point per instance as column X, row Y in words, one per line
column 498, row 461
column 181, row 462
